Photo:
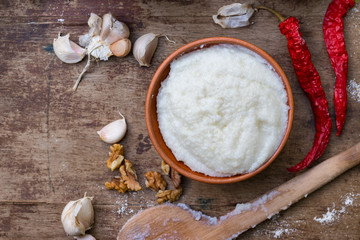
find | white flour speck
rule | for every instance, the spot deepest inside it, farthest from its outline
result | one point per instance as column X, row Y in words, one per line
column 328, row 217
column 334, row 214
column 354, row 90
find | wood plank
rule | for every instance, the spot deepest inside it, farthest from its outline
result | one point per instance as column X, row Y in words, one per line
column 50, row 152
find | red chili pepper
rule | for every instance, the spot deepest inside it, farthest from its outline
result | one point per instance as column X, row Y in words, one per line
column 333, row 27
column 309, row 80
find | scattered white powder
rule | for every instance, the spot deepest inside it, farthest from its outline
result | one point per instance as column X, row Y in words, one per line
column 349, row 201
column 198, row 215
column 241, row 207
column 328, row 217
column 124, row 209
column 354, row 90
column 333, row 214
column 280, row 231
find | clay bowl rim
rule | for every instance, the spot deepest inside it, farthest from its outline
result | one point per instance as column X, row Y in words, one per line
column 151, row 113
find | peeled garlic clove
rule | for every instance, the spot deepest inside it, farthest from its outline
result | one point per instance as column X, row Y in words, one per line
column 144, row 48
column 68, row 51
column 121, row 48
column 113, row 132
column 234, row 15
column 78, row 216
column 94, row 23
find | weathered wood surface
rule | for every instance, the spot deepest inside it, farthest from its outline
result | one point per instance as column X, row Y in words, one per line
column 50, row 152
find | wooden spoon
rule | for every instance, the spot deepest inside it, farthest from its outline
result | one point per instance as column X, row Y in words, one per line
column 170, row 221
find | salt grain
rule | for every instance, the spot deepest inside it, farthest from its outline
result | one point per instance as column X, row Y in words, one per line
column 354, row 90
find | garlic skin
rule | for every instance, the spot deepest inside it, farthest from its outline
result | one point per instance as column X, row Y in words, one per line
column 68, row 51
column 78, row 216
column 114, row 131
column 144, row 48
column 234, row 15
column 121, row 48
column 99, row 49
column 94, row 23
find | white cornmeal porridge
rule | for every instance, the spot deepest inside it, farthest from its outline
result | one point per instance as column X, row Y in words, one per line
column 222, row 110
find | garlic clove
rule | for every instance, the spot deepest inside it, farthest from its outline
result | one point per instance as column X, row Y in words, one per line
column 85, row 237
column 234, row 15
column 121, row 48
column 144, row 48
column 113, row 30
column 68, row 51
column 114, row 131
column 94, row 23
column 107, row 22
column 78, row 216
column 118, row 30
column 84, row 213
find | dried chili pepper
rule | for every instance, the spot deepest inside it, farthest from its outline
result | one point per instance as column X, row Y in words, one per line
column 309, row 80
column 333, row 27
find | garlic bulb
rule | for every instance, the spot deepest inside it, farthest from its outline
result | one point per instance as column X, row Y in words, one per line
column 144, row 48
column 68, row 51
column 78, row 216
column 121, row 48
column 114, row 131
column 234, row 15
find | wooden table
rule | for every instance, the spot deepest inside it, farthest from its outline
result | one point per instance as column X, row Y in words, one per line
column 50, row 152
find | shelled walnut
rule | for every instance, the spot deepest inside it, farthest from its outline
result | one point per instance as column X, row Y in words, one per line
column 116, row 156
column 165, row 167
column 169, row 195
column 118, row 184
column 155, row 181
column 128, row 174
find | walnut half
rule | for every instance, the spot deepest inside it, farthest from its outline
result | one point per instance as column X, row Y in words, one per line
column 155, row 181
column 129, row 175
column 116, row 156
column 169, row 195
column 165, row 167
column 118, row 184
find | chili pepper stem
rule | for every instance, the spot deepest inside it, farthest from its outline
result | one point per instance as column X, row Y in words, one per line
column 278, row 15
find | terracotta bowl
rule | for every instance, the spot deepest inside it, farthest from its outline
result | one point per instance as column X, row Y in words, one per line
column 151, row 112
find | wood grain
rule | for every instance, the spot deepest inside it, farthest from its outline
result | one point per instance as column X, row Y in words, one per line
column 50, row 152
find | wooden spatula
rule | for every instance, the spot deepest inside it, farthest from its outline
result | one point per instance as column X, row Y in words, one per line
column 170, row 221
